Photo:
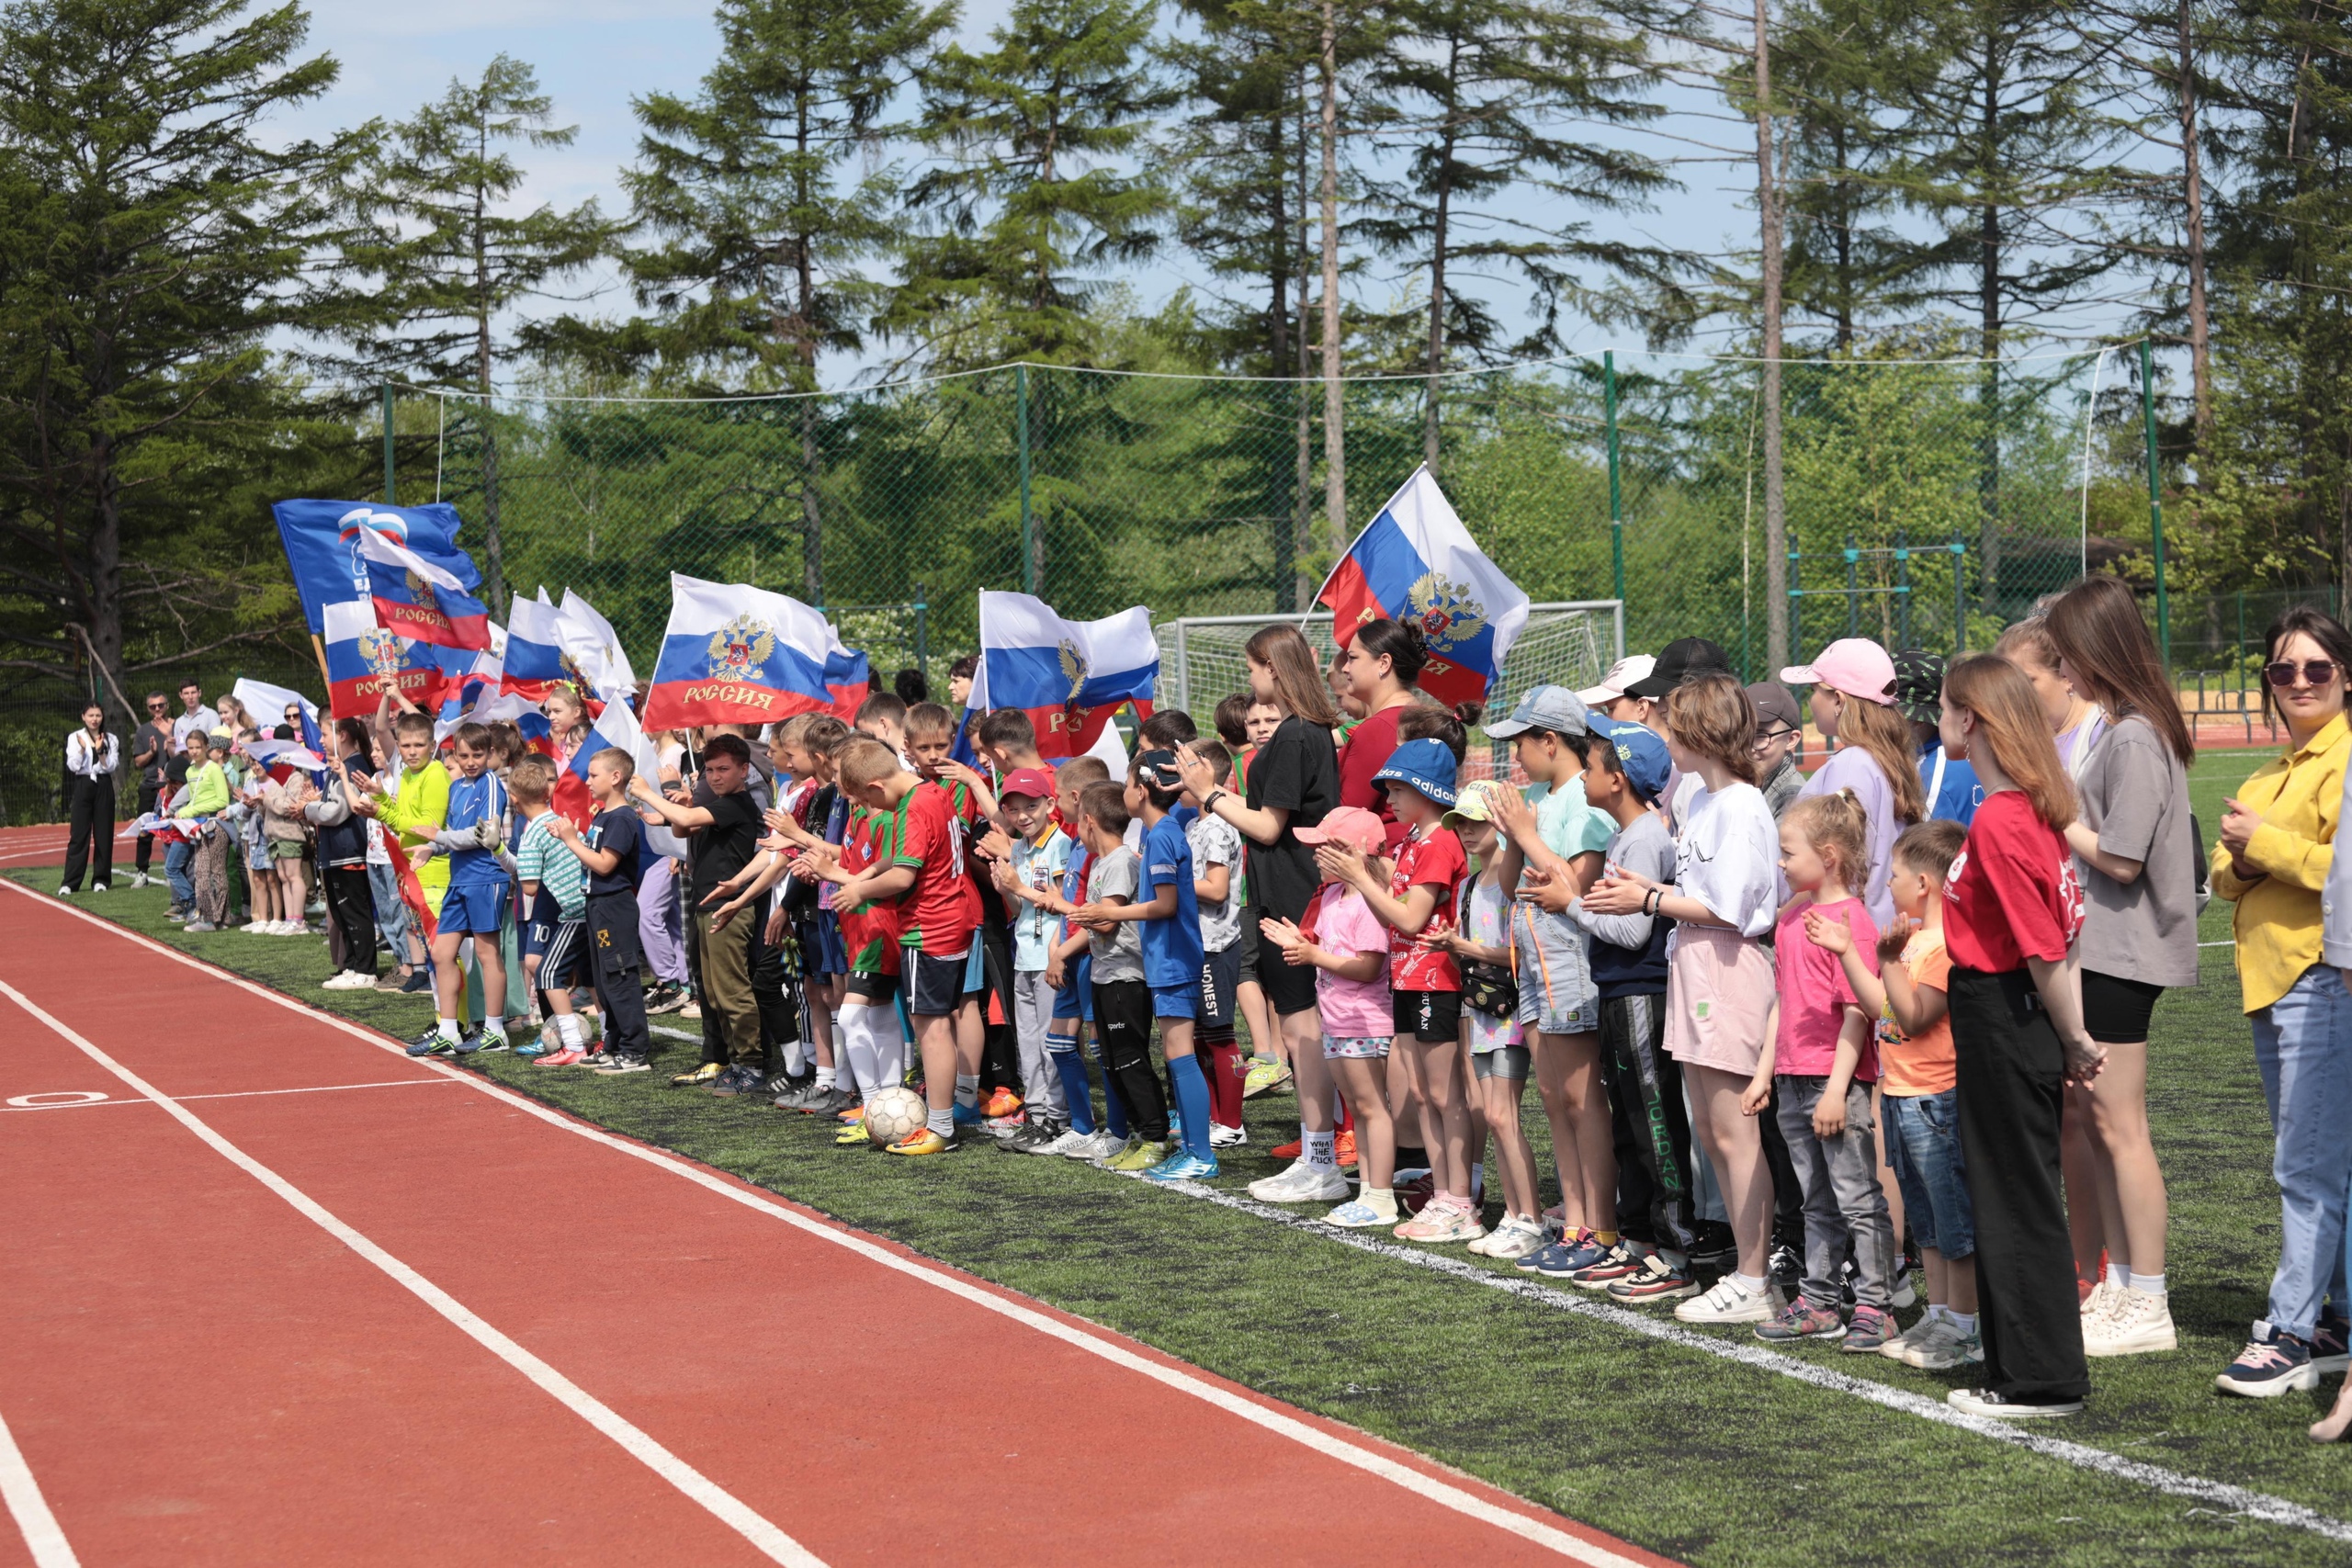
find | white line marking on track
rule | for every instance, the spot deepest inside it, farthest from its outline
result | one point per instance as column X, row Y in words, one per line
column 30, row 1509
column 1329, row 1445
column 769, row 1540
column 225, row 1094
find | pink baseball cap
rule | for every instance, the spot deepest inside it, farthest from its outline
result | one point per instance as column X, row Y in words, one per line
column 1854, row 665
column 1350, row 825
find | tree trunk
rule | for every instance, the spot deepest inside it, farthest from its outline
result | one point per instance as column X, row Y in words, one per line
column 1988, row 264
column 1768, row 204
column 103, row 613
column 1431, row 428
column 2193, row 192
column 1842, row 205
column 1303, row 517
column 1279, row 244
column 1335, row 466
column 493, row 555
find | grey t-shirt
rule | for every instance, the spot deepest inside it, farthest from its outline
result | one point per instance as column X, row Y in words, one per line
column 2134, row 796
column 1118, row 956
column 1217, row 842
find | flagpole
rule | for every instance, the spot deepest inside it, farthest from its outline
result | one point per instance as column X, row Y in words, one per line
column 319, row 649
column 1417, row 471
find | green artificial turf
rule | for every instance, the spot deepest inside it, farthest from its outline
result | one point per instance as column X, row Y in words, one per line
column 1680, row 1451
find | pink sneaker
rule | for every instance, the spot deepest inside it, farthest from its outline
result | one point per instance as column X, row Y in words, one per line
column 571, row 1057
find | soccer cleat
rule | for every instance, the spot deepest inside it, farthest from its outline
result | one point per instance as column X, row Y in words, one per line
column 1035, row 1136
column 569, row 1057
column 707, row 1073
column 1801, row 1319
column 1264, row 1077
column 1070, row 1143
column 1868, row 1330
column 493, row 1043
column 1118, row 1148
column 1992, row 1401
column 851, row 1134
column 1343, row 1150
column 1655, row 1280
column 739, row 1079
column 922, row 1140
column 1095, row 1147
column 1182, row 1165
column 2271, row 1364
column 1302, row 1183
column 1295, row 1149
column 969, row 1115
column 1145, row 1153
column 2137, row 1324
column 1729, row 1302
column 469, row 1043
column 429, row 1044
column 1224, row 1137
column 1000, row 1102
column 620, row 1061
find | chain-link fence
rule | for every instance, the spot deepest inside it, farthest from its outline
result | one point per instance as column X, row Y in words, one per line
column 1924, row 497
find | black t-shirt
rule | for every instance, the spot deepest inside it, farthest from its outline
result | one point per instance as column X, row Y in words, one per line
column 619, row 831
column 1298, row 769
column 727, row 846
column 156, row 737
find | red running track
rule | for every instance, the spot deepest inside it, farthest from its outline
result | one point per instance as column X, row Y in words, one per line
column 284, row 1295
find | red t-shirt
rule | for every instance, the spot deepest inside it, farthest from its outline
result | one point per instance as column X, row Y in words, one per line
column 869, row 931
column 943, row 911
column 1435, row 861
column 1366, row 753
column 2012, row 894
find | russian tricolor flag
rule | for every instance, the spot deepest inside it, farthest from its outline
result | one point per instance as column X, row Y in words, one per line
column 322, row 542
column 848, row 679
column 268, row 703
column 1416, row 563
column 614, row 726
column 594, row 647
column 535, row 657
column 1068, row 676
column 364, row 661
column 739, row 654
column 420, row 600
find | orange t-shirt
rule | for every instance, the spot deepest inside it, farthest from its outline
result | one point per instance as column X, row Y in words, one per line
column 1918, row 1063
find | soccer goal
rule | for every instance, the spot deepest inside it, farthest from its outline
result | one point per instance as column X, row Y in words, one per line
column 1567, row 643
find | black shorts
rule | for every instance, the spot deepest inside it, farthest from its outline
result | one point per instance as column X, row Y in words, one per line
column 1220, row 983
column 2116, row 1010
column 1430, row 1016
column 871, row 990
column 1289, row 987
column 1123, row 1011
column 560, row 958
column 1248, row 948
column 541, row 915
column 934, row 986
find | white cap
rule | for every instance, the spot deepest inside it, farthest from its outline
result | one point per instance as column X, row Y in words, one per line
column 1621, row 674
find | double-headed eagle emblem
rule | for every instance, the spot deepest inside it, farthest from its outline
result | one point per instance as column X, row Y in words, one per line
column 740, row 649
column 381, row 652
column 1074, row 670
column 1444, row 611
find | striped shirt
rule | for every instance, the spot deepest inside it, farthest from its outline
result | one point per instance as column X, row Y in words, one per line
column 545, row 859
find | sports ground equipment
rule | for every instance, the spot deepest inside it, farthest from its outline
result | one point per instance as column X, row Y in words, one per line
column 893, row 1113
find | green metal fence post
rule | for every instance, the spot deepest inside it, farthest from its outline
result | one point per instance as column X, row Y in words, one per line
column 1616, row 497
column 1028, row 523
column 923, row 631
column 392, row 494
column 2155, row 494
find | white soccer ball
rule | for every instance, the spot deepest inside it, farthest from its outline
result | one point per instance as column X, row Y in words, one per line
column 895, row 1113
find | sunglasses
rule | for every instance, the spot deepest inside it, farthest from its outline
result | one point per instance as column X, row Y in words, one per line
column 2316, row 671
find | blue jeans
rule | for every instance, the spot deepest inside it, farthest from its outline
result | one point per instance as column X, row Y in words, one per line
column 1923, row 1145
column 391, row 914
column 2303, row 1043
column 179, row 863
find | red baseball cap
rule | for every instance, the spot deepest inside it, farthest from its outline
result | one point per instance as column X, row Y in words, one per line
column 1034, row 782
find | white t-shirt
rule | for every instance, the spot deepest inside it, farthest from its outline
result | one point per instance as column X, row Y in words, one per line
column 1728, row 857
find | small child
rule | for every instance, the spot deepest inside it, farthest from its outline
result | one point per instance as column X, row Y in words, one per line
column 1028, row 875
column 1122, row 995
column 1069, row 972
column 883, row 716
column 1819, row 1061
column 1918, row 1096
column 609, row 849
column 1268, row 1070
column 554, row 886
column 1216, row 886
column 474, row 904
column 1481, row 944
column 930, row 744
column 1347, row 946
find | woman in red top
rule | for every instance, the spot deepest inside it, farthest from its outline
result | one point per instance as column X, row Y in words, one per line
column 1380, row 667
column 2013, row 908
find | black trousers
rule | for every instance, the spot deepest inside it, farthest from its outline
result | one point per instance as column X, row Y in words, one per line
column 351, row 917
column 1788, row 1201
column 90, row 813
column 775, row 986
column 1123, row 1033
column 1649, row 1123
column 148, row 796
column 2011, row 1075
column 616, row 965
column 1000, row 1050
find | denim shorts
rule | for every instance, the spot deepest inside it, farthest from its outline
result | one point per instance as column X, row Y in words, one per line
column 1922, row 1133
column 1556, row 995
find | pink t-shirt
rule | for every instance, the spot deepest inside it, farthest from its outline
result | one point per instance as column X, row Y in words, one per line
column 1340, row 924
column 1814, row 994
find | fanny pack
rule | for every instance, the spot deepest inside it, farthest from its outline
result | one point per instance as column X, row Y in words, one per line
column 1490, row 988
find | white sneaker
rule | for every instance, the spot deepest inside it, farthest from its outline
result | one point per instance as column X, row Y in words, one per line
column 139, row 879
column 2098, row 1304
column 1302, row 1183
column 1943, row 1348
column 63, row 891
column 1224, row 1137
column 254, row 928
column 98, row 888
column 1894, row 1345
column 1355, row 1214
column 2138, row 1324
column 1729, row 1302
column 1517, row 1236
column 1099, row 1144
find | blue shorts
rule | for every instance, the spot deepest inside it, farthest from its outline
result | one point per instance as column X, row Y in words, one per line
column 537, row 927
column 1922, row 1133
column 976, row 967
column 1176, row 1001
column 478, row 908
column 833, row 958
column 1076, row 998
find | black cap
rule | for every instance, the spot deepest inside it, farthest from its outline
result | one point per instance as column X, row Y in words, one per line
column 1683, row 657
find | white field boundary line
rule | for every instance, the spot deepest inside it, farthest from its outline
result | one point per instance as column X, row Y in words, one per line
column 763, row 1536
column 1419, row 1481
column 228, row 1094
column 43, row 1536
column 2239, row 1500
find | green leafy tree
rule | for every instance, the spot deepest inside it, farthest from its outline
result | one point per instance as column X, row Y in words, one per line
column 452, row 262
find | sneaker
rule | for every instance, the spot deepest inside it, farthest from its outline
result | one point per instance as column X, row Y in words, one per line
column 1295, row 1149
column 491, row 1043
column 737, row 1080
column 341, row 980
column 1182, row 1165
column 707, row 1073
column 1801, row 1319
column 429, row 1043
column 254, row 928
column 417, row 985
column 469, row 1043
column 1120, row 1148
column 200, row 926
column 1066, row 1145
column 1343, row 1150
column 792, row 1094
column 569, row 1057
column 1992, row 1401
column 2329, row 1352
column 1713, row 1247
column 1443, row 1220
column 1895, row 1345
column 1727, row 1302
column 2138, row 1324
column 624, row 1062
column 1867, row 1330
column 1620, row 1262
column 1099, row 1144
column 1224, row 1137
column 1038, row 1137
column 1563, row 1259
column 922, row 1140
column 2097, row 1305
column 1516, row 1238
column 1358, row 1215
column 1904, row 1290
column 851, row 1134
column 1302, row 1183
column 835, row 1102
column 692, row 1009
column 1143, row 1156
column 665, row 995
column 534, row 1046
column 2271, row 1364
column 63, row 891
column 1002, row 1101
column 1005, row 1126
column 176, row 916
column 1941, row 1347
column 139, row 879
column 1655, row 1280
column 1264, row 1077
column 969, row 1115
column 99, row 887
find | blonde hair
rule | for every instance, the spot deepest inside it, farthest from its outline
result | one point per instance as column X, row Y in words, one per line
column 2031, row 638
column 866, row 761
column 1839, row 831
column 2010, row 726
column 1883, row 733
column 532, row 776
column 1712, row 716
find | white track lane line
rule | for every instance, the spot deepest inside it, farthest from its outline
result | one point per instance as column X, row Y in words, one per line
column 31, row 1510
column 737, row 1516
column 1329, row 1445
column 230, row 1094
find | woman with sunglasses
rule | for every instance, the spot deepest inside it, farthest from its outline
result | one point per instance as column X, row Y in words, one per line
column 2276, row 848
column 2138, row 855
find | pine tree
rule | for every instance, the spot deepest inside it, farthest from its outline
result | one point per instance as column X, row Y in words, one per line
column 452, row 262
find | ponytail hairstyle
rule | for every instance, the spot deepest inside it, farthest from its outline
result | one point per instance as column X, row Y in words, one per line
column 1881, row 729
column 1401, row 644
column 2012, row 730
column 1839, row 831
column 2112, row 660
column 1712, row 714
column 354, row 735
column 1299, row 690
column 1425, row 720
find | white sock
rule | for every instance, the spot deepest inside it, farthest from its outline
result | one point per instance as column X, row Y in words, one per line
column 967, row 1089
column 871, row 1048
column 1321, row 1149
column 495, row 1026
column 2119, row 1276
column 448, row 1029
column 567, row 1030
column 943, row 1122
column 1964, row 1321
column 827, row 1077
column 2148, row 1284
